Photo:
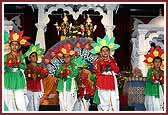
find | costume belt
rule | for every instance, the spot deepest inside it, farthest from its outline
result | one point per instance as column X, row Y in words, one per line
column 14, row 69
column 107, row 73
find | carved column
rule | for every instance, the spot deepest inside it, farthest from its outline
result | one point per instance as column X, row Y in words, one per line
column 142, row 50
column 134, row 54
column 41, row 25
column 108, row 20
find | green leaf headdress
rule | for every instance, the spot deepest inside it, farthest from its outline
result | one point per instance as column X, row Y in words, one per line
column 106, row 41
column 80, row 62
column 34, row 48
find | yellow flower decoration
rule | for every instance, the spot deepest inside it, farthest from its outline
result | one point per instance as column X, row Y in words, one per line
column 97, row 48
column 111, row 45
column 103, row 42
column 72, row 52
column 27, row 53
column 155, row 53
column 150, row 59
column 64, row 50
column 33, row 49
column 162, row 56
column 59, row 54
column 15, row 37
column 106, row 41
column 38, row 52
column 23, row 41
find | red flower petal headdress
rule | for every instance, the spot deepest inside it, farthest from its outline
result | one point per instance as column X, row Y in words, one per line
column 18, row 36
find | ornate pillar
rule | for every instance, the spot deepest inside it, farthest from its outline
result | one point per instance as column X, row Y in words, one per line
column 108, row 19
column 134, row 54
column 41, row 25
column 142, row 50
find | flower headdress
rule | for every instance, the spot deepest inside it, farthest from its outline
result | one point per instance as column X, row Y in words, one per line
column 34, row 48
column 152, row 54
column 18, row 37
column 80, row 62
column 106, row 41
column 65, row 49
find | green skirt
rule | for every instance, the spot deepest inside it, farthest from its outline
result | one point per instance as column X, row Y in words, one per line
column 14, row 80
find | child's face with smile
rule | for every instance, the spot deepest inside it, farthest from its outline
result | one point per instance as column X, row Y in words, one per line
column 67, row 58
column 157, row 63
column 105, row 52
column 33, row 57
column 14, row 46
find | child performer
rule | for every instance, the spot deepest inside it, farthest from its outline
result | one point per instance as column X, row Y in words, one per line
column 34, row 73
column 85, row 85
column 14, row 81
column 105, row 69
column 67, row 73
column 154, row 97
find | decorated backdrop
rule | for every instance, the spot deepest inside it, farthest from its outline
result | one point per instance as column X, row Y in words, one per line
column 81, row 45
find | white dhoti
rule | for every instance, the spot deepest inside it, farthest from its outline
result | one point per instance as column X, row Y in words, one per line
column 82, row 104
column 155, row 104
column 34, row 100
column 67, row 99
column 15, row 100
column 108, row 100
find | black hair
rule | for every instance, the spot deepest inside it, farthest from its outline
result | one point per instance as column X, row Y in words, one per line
column 32, row 53
column 158, row 58
column 105, row 47
column 14, row 41
column 153, row 45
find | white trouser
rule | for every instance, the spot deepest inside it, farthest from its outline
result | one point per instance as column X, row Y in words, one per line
column 155, row 104
column 82, row 105
column 109, row 101
column 34, row 100
column 15, row 100
column 67, row 99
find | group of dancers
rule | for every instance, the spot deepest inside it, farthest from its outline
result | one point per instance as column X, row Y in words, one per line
column 76, row 83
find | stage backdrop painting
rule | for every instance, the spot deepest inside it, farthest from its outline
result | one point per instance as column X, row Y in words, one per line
column 81, row 45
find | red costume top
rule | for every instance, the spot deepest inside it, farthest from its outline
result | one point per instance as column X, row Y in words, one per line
column 105, row 81
column 34, row 75
column 85, row 88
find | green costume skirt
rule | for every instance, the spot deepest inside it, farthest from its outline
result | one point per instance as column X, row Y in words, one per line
column 14, row 80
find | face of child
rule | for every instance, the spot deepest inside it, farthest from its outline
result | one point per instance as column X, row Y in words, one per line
column 105, row 52
column 157, row 63
column 67, row 58
column 80, row 70
column 33, row 57
column 14, row 46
